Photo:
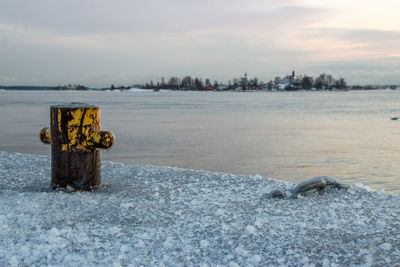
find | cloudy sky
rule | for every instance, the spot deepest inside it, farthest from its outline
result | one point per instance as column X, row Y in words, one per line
column 99, row 42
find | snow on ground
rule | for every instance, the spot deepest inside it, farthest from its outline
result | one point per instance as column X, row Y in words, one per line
column 156, row 216
column 138, row 90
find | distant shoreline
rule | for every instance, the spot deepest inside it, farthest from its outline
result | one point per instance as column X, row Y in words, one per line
column 41, row 88
column 58, row 88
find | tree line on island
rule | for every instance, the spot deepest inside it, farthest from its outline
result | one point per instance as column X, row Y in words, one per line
column 290, row 82
column 287, row 83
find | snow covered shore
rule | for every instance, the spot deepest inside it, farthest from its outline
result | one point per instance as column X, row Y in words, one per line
column 156, row 216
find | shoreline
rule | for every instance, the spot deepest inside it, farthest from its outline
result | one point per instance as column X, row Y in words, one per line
column 134, row 89
column 166, row 216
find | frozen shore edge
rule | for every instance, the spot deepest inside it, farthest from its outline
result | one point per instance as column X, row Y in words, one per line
column 148, row 215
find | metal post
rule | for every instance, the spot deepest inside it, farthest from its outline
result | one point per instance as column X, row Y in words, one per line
column 75, row 139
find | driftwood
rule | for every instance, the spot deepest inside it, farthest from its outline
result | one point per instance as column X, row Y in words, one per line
column 318, row 183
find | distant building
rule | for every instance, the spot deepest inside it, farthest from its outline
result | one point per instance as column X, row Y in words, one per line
column 290, row 83
column 244, row 82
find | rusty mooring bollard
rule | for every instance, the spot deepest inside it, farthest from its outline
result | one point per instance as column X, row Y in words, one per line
column 75, row 139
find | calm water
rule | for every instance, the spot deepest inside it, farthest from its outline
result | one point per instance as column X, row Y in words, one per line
column 291, row 136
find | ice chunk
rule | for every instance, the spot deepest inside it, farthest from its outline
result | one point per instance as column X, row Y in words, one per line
column 241, row 251
column 250, row 229
column 13, row 261
column 204, row 243
column 386, row 246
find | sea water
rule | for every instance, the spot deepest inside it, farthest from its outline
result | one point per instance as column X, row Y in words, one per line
column 291, row 136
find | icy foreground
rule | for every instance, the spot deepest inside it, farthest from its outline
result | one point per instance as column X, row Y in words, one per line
column 157, row 216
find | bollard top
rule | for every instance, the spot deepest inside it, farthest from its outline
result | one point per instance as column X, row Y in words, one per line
column 73, row 105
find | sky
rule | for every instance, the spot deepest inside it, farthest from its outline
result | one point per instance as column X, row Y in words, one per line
column 103, row 42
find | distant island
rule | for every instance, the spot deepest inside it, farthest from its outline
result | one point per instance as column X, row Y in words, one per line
column 44, row 88
column 291, row 82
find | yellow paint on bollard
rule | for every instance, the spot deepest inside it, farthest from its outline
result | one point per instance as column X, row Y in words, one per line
column 45, row 135
column 83, row 130
column 83, row 122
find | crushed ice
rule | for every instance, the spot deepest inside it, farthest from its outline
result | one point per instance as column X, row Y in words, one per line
column 146, row 215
